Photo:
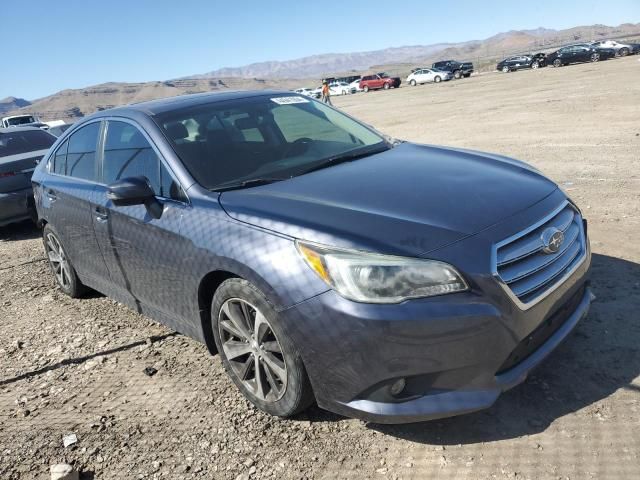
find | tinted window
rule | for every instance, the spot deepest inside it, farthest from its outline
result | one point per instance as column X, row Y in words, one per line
column 15, row 142
column 81, row 154
column 127, row 153
column 60, row 159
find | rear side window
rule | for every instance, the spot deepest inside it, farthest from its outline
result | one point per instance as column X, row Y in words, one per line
column 81, row 153
column 127, row 153
column 14, row 143
column 60, row 159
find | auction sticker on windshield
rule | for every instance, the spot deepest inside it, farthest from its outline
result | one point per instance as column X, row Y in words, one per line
column 289, row 100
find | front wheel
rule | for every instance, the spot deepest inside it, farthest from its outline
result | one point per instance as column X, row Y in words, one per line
column 437, row 79
column 594, row 57
column 413, row 83
column 386, row 86
column 256, row 352
column 624, row 52
column 535, row 65
column 365, row 89
column 557, row 62
column 505, row 69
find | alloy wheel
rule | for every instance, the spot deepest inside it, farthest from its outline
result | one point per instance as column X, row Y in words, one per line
column 59, row 262
column 252, row 349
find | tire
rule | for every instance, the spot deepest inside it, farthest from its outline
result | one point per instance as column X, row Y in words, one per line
column 505, row 69
column 386, row 86
column 437, row 79
column 594, row 57
column 413, row 83
column 534, row 65
column 60, row 264
column 457, row 74
column 282, row 387
column 624, row 52
column 557, row 63
column 365, row 89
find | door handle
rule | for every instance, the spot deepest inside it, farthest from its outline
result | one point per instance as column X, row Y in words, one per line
column 51, row 195
column 101, row 215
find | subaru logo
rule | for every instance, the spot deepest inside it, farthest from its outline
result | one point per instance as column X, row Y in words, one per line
column 552, row 239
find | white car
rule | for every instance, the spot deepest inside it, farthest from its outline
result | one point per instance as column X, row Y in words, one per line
column 622, row 49
column 427, row 75
column 340, row 88
column 355, row 85
column 305, row 91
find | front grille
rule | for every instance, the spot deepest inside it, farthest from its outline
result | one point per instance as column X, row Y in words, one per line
column 526, row 269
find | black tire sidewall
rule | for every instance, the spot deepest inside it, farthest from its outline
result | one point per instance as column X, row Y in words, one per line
column 298, row 394
column 76, row 288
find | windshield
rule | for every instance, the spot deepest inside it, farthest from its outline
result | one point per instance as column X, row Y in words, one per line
column 272, row 137
column 22, row 141
column 21, row 120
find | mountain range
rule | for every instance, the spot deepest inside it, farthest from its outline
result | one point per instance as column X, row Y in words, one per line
column 306, row 71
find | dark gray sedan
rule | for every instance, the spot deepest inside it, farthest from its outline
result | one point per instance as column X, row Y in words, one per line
column 21, row 148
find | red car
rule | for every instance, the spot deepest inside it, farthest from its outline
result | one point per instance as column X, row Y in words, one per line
column 378, row 81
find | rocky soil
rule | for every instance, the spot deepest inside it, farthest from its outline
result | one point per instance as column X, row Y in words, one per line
column 132, row 399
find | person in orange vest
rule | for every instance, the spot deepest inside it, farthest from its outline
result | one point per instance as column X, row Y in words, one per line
column 326, row 93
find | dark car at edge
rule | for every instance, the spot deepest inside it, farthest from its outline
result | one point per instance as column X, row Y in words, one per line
column 579, row 53
column 323, row 261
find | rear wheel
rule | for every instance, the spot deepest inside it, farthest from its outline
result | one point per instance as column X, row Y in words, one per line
column 256, row 352
column 457, row 74
column 624, row 51
column 437, row 79
column 61, row 265
column 535, row 65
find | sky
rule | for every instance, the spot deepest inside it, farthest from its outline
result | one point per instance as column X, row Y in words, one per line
column 51, row 46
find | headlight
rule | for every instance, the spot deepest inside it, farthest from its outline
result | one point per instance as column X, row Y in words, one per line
column 374, row 278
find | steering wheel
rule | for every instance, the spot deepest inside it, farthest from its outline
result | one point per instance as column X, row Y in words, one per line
column 298, row 147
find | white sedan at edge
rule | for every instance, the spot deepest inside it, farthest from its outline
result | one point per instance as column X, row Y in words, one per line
column 427, row 75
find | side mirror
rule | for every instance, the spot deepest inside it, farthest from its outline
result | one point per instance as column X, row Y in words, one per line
column 134, row 191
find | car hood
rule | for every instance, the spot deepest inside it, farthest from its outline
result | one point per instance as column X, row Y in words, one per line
column 408, row 200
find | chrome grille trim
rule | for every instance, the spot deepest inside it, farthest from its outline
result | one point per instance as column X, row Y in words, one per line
column 528, row 275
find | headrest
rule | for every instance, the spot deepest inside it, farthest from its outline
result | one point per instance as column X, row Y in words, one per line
column 246, row 123
column 177, row 131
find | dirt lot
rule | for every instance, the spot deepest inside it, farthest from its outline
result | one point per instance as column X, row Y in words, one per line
column 78, row 365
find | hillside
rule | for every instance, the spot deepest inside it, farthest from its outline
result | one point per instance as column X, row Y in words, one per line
column 11, row 103
column 69, row 104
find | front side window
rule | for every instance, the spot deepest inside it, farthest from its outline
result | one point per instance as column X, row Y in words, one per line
column 127, row 153
column 81, row 154
column 261, row 137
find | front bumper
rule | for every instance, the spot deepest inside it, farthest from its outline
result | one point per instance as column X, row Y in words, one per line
column 16, row 206
column 456, row 353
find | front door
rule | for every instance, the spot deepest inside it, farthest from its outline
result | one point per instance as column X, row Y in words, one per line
column 145, row 255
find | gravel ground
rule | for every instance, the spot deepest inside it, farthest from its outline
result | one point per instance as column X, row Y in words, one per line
column 78, row 366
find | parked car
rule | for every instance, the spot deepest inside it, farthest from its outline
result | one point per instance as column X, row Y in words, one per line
column 341, row 88
column 316, row 92
column 319, row 259
column 427, row 75
column 21, row 148
column 305, row 91
column 620, row 49
column 457, row 69
column 355, row 85
column 519, row 62
column 575, row 54
column 378, row 81
column 22, row 121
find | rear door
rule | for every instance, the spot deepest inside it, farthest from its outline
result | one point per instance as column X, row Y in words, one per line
column 67, row 192
column 145, row 255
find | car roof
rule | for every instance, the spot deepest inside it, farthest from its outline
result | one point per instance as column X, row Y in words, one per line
column 162, row 105
column 18, row 129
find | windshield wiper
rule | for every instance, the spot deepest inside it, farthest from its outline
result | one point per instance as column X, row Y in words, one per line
column 345, row 157
column 254, row 182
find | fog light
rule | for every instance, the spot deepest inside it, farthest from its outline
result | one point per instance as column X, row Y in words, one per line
column 397, row 387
